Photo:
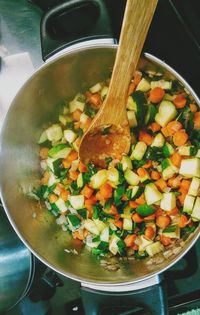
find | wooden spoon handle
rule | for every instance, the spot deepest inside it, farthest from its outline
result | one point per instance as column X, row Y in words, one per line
column 137, row 18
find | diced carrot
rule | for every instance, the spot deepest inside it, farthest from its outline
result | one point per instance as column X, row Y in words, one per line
column 131, row 88
column 124, row 198
column 173, row 211
column 159, row 212
column 44, row 153
column 64, row 195
column 155, row 126
column 183, row 221
column 165, row 240
column 88, row 205
column 165, row 131
column 78, row 234
column 87, row 191
column 44, row 180
column 135, row 247
column 141, row 200
column 76, row 115
column 118, row 223
column 113, row 210
column 197, row 120
column 137, row 218
column 53, row 198
column 141, row 172
column 193, row 108
column 72, row 156
column 98, row 195
column 67, row 181
column 66, row 163
column 59, row 187
column 129, row 240
column 180, row 101
column 148, row 164
column 145, row 137
column 163, row 221
column 182, row 196
column 180, row 137
column 155, row 175
column 77, row 125
column 82, row 167
column 161, row 184
column 149, row 232
column 150, row 217
column 95, row 100
column 106, row 191
column 132, row 204
column 137, row 78
column 185, row 184
column 156, row 95
column 173, row 126
column 176, row 159
column 174, row 182
column 73, row 175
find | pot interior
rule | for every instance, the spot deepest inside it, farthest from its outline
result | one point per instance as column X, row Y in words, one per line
column 37, row 103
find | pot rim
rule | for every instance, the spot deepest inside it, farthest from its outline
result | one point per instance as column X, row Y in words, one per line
column 76, row 48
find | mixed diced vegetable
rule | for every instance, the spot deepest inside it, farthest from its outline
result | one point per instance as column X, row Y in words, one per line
column 142, row 204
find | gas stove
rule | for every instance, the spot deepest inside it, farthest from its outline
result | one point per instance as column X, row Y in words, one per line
column 173, row 37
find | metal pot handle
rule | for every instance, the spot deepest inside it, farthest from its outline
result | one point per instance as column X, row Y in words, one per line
column 148, row 300
column 58, row 31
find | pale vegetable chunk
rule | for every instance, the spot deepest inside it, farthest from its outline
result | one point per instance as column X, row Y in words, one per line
column 70, row 135
column 54, row 133
column 188, row 204
column 196, row 210
column 143, row 85
column 152, row 194
column 158, row 141
column 166, row 113
column 98, row 179
column 194, row 189
column 154, row 248
column 131, row 177
column 168, row 202
column 139, row 151
column 132, row 118
column 77, row 201
column 190, row 168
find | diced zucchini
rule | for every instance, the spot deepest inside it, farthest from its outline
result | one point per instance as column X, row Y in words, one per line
column 143, row 243
column 190, row 168
column 43, row 137
column 143, row 85
column 84, row 118
column 77, row 201
column 131, row 177
column 54, row 133
column 113, row 175
column 138, row 151
column 169, row 97
column 52, row 180
column 95, row 88
column 136, row 192
column 64, row 119
column 76, row 103
column 127, row 221
column 131, row 118
column 91, row 227
column 172, row 231
column 98, row 179
column 194, row 189
column 158, row 141
column 196, row 210
column 188, row 204
column 131, row 105
column 166, row 113
column 168, row 169
column 168, row 202
column 166, row 85
column 113, row 247
column 61, row 205
column 70, row 135
column 151, row 113
column 184, row 150
column 80, row 182
column 74, row 221
column 105, row 234
column 167, row 149
column 100, row 224
column 104, row 92
column 60, row 151
column 154, row 248
column 198, row 153
column 152, row 194
column 126, row 163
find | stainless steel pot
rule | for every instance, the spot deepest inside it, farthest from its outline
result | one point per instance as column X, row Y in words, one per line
column 37, row 103
column 16, row 266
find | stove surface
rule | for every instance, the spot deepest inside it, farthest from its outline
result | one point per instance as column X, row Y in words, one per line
column 174, row 37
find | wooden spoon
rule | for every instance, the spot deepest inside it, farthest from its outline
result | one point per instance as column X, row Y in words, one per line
column 109, row 133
